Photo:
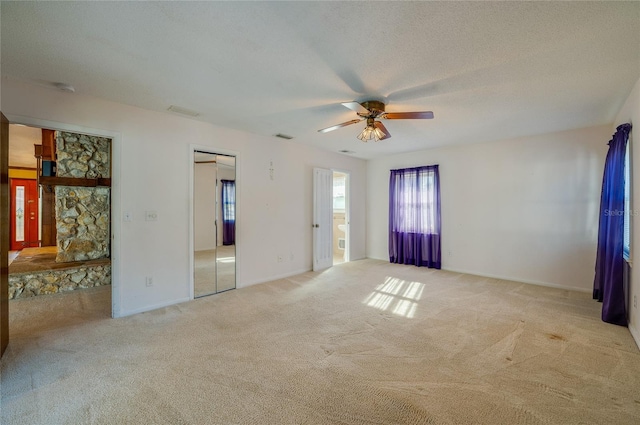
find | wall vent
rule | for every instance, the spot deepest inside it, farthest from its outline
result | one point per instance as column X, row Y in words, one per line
column 183, row 111
column 284, row 136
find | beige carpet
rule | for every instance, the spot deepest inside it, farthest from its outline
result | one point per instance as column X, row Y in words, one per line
column 365, row 342
column 209, row 262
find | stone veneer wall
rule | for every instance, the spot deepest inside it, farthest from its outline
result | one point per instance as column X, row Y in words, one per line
column 29, row 284
column 82, row 213
column 82, row 156
column 82, row 223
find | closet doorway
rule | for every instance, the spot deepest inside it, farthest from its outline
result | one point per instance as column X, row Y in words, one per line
column 214, row 223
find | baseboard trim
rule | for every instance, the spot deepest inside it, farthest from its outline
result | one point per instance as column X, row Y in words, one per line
column 530, row 282
column 271, row 278
column 635, row 334
column 154, row 307
column 512, row 279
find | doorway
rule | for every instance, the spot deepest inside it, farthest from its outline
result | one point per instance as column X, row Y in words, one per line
column 59, row 180
column 8, row 168
column 330, row 218
column 214, row 223
column 340, row 217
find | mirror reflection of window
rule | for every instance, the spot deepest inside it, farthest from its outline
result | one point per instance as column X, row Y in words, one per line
column 228, row 212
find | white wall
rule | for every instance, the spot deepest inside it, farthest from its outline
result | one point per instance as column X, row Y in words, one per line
column 152, row 160
column 630, row 113
column 204, row 206
column 522, row 209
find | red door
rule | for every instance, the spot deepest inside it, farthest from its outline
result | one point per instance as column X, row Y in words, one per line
column 24, row 214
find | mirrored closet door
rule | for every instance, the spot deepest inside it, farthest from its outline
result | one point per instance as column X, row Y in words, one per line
column 214, row 207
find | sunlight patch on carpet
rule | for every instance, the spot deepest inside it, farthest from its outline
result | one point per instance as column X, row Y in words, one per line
column 397, row 296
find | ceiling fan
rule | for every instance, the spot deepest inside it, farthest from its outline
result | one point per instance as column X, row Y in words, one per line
column 369, row 111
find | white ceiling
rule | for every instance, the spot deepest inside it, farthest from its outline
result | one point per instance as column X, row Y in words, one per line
column 488, row 70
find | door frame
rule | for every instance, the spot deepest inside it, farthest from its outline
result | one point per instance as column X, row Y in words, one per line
column 212, row 150
column 4, row 232
column 116, row 194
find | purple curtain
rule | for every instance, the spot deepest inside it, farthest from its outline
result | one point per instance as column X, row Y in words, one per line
column 607, row 286
column 228, row 212
column 414, row 216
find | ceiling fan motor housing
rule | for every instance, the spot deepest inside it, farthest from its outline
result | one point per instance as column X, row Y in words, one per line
column 375, row 108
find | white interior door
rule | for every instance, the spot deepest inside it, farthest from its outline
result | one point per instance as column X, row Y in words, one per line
column 322, row 219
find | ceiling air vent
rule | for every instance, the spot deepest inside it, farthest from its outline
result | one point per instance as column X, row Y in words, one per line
column 65, row 87
column 284, row 136
column 183, row 111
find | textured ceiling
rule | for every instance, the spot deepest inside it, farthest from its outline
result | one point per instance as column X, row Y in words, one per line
column 488, row 70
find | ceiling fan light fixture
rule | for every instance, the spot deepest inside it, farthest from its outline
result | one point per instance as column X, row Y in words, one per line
column 371, row 132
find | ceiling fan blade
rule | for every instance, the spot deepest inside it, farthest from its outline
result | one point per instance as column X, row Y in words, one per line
column 382, row 128
column 426, row 115
column 355, row 106
column 335, row 127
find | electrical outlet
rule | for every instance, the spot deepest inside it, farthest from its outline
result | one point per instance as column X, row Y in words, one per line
column 635, row 301
column 127, row 216
column 279, row 258
column 148, row 281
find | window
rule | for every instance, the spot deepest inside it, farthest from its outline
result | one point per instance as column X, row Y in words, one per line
column 414, row 216
column 416, row 202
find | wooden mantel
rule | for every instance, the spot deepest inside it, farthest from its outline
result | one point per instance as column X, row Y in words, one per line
column 73, row 181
